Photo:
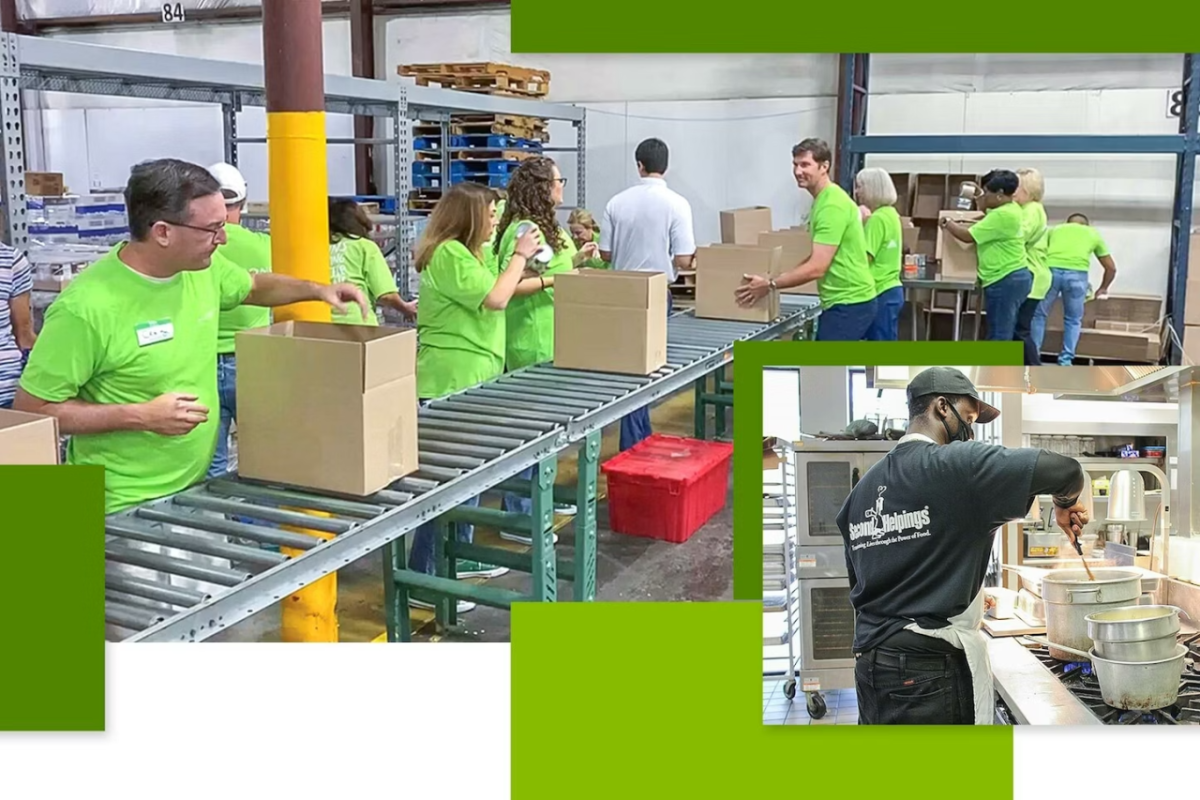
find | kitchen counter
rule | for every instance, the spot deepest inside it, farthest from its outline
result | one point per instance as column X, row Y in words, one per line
column 1033, row 694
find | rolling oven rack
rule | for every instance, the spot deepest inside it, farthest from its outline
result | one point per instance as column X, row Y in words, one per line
column 469, row 442
column 36, row 63
column 781, row 585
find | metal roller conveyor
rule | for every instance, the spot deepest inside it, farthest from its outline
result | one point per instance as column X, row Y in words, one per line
column 468, row 443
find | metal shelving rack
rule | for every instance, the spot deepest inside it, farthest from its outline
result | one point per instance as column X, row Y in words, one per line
column 781, row 586
column 1185, row 146
column 56, row 65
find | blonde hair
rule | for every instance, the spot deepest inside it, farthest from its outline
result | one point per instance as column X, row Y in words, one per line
column 462, row 216
column 875, row 188
column 581, row 216
column 1033, row 183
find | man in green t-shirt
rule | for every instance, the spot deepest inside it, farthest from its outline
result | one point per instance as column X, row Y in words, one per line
column 999, row 240
column 838, row 262
column 127, row 357
column 1069, row 256
column 251, row 251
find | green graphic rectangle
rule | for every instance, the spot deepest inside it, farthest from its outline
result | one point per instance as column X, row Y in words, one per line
column 52, row 588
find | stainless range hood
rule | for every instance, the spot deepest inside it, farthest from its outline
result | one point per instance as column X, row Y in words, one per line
column 1129, row 383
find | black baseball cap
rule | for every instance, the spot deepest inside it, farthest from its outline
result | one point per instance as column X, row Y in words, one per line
column 948, row 380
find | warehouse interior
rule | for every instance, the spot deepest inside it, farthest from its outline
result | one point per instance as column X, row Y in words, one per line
column 731, row 122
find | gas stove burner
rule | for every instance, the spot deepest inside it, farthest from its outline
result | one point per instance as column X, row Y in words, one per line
column 1079, row 678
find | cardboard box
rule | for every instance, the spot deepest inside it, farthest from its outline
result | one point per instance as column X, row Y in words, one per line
column 909, row 235
column 954, row 182
column 959, row 260
column 720, row 270
column 795, row 245
column 27, row 439
column 1142, row 310
column 610, row 321
column 743, row 225
column 327, row 407
column 1191, row 343
column 1115, row 345
column 44, row 184
column 929, row 195
column 904, row 192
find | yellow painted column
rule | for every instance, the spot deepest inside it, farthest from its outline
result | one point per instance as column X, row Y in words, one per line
column 298, row 185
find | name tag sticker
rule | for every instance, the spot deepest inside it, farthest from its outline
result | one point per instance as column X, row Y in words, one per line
column 149, row 333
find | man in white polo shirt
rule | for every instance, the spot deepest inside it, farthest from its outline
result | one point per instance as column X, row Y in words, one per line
column 647, row 228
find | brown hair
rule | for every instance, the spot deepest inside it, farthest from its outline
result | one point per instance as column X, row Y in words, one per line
column 817, row 148
column 581, row 216
column 347, row 220
column 462, row 216
column 529, row 198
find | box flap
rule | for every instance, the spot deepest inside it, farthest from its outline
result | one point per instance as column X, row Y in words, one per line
column 365, row 355
column 611, row 288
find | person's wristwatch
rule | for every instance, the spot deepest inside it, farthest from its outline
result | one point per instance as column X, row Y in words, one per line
column 774, row 286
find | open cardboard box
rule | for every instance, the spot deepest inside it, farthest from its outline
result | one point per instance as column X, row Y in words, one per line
column 743, row 225
column 959, row 260
column 327, row 407
column 610, row 321
column 720, row 270
column 795, row 245
column 27, row 439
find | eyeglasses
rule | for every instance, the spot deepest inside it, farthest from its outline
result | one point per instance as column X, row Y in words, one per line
column 214, row 232
column 563, row 181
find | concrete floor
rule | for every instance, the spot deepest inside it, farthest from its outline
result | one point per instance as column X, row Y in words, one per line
column 629, row 568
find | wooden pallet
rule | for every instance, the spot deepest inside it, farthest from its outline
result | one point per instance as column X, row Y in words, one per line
column 533, row 134
column 495, row 155
column 476, row 69
column 488, row 84
column 515, row 121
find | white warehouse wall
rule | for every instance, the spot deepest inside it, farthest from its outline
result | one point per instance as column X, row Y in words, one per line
column 730, row 119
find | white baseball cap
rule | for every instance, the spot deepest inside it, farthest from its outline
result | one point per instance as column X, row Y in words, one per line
column 232, row 182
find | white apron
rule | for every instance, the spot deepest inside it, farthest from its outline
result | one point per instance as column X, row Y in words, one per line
column 964, row 632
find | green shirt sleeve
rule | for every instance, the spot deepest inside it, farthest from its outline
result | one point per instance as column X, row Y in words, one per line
column 1099, row 248
column 233, row 283
column 829, row 224
column 380, row 280
column 462, row 277
column 988, row 229
column 64, row 358
column 874, row 235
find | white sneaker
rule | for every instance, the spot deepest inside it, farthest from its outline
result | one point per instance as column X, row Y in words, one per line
column 566, row 510
column 474, row 569
column 463, row 606
column 519, row 539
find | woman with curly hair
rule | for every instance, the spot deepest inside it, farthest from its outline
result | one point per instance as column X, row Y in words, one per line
column 535, row 191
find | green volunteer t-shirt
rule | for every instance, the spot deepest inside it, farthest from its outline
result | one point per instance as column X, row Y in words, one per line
column 529, row 320
column 836, row 221
column 1000, row 243
column 252, row 252
column 490, row 259
column 882, row 235
column 461, row 342
column 115, row 336
column 1037, row 238
column 597, row 262
column 360, row 262
column 1072, row 246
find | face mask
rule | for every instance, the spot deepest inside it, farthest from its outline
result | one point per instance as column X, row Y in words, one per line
column 964, row 433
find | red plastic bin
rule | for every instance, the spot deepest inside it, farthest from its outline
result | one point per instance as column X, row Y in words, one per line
column 667, row 487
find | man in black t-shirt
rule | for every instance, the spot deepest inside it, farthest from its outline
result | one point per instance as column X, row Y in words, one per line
column 919, row 529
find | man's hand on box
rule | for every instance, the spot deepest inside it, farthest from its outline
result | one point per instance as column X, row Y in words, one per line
column 753, row 289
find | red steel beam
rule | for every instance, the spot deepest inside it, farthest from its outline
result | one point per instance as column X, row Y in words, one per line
column 362, row 65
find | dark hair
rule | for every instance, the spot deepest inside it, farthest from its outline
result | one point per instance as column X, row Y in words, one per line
column 1083, row 217
column 817, row 148
column 1002, row 181
column 917, row 406
column 529, row 198
column 162, row 191
column 652, row 154
column 347, row 220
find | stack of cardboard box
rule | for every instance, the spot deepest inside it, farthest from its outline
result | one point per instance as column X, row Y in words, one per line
column 610, row 321
column 1126, row 327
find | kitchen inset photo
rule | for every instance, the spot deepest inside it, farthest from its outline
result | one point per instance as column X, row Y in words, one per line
column 980, row 546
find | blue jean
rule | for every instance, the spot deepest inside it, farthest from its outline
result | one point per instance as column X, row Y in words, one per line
column 846, row 323
column 227, row 394
column 421, row 557
column 635, row 426
column 1003, row 300
column 1072, row 284
column 886, row 327
column 519, row 504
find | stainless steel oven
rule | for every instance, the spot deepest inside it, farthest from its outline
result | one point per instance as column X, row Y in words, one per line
column 825, row 474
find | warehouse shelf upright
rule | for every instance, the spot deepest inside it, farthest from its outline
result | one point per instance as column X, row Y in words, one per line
column 781, row 584
column 854, row 144
column 57, row 65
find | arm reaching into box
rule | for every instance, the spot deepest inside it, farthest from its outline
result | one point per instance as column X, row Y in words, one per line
column 959, row 231
column 272, row 290
column 757, row 287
